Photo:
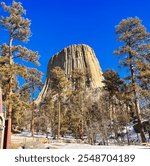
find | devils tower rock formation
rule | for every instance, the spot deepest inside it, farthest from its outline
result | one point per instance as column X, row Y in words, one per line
column 78, row 56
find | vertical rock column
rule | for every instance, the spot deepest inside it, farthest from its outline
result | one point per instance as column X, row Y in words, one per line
column 75, row 56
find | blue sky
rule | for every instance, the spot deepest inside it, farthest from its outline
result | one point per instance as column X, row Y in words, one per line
column 60, row 23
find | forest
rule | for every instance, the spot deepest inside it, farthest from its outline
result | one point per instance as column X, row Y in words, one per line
column 69, row 108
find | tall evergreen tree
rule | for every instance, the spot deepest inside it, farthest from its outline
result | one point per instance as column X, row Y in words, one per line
column 112, row 85
column 60, row 86
column 33, row 84
column 112, row 82
column 134, row 51
column 18, row 29
column 48, row 111
column 79, row 84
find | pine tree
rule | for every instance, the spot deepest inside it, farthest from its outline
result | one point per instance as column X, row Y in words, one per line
column 33, row 84
column 112, row 87
column 48, row 111
column 134, row 51
column 112, row 84
column 79, row 84
column 60, row 86
column 18, row 29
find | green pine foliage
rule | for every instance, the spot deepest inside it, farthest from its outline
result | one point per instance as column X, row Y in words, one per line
column 134, row 55
column 18, row 28
column 70, row 105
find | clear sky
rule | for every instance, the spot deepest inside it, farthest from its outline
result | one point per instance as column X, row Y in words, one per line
column 60, row 23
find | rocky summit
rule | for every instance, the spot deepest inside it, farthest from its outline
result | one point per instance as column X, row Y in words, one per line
column 78, row 56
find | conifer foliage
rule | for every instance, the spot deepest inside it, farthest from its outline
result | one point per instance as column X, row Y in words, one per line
column 134, row 55
column 60, row 86
column 71, row 105
column 18, row 28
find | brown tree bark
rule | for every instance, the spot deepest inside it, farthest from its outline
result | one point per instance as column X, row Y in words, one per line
column 9, row 117
column 58, row 130
column 32, row 120
column 137, row 108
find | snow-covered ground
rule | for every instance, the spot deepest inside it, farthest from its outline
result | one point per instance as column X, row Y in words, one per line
column 30, row 143
column 41, row 142
column 87, row 146
column 36, row 145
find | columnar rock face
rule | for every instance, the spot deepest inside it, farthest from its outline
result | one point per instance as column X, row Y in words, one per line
column 78, row 56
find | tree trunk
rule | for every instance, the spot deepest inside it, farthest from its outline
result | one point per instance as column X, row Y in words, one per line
column 32, row 120
column 58, row 132
column 127, row 135
column 82, row 123
column 110, row 114
column 137, row 108
column 137, row 137
column 88, row 133
column 142, row 133
column 105, row 134
column 8, row 141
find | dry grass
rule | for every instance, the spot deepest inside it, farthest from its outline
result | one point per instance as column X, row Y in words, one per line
column 15, row 145
column 43, row 140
